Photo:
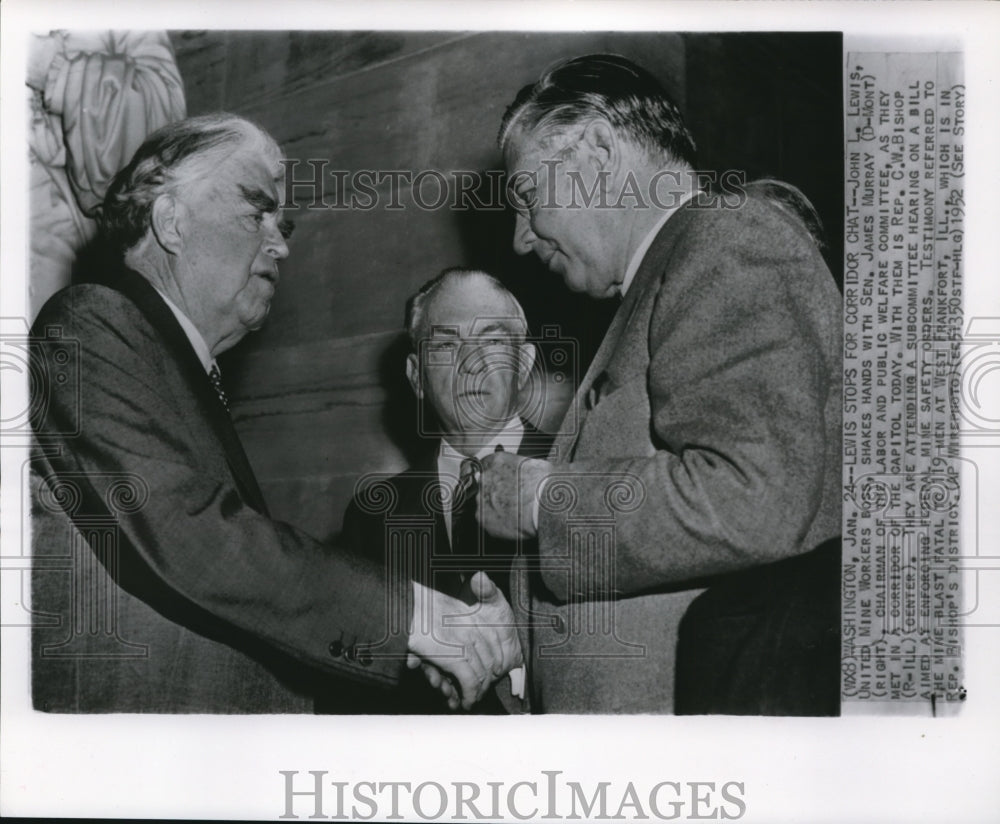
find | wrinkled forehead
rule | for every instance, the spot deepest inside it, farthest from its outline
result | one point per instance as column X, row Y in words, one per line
column 251, row 167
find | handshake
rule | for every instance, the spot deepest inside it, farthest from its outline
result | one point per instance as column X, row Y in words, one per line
column 474, row 645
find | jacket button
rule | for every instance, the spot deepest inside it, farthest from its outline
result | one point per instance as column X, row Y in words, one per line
column 558, row 624
column 351, row 654
column 336, row 649
column 365, row 657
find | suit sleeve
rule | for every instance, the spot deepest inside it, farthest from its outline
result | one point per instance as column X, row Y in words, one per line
column 737, row 384
column 351, row 532
column 181, row 518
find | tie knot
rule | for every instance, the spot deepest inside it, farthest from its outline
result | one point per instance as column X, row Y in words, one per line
column 467, row 485
column 468, row 469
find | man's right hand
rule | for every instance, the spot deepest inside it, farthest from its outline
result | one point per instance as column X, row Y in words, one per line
column 475, row 644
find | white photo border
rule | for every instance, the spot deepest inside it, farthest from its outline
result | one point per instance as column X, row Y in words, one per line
column 844, row 769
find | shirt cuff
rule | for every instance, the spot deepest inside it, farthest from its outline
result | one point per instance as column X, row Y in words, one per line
column 537, row 503
column 517, row 676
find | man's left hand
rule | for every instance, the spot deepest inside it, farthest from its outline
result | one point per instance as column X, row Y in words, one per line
column 508, row 490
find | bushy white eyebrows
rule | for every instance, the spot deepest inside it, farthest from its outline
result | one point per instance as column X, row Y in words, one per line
column 263, row 202
column 258, row 198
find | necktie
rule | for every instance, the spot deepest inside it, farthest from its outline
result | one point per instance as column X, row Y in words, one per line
column 464, row 529
column 216, row 378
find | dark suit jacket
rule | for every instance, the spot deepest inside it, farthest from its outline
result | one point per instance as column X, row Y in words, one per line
column 708, row 429
column 386, row 509
column 169, row 588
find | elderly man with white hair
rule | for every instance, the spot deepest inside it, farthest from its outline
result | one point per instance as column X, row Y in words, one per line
column 183, row 594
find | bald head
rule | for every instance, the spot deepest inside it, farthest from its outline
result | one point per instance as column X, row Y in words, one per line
column 463, row 293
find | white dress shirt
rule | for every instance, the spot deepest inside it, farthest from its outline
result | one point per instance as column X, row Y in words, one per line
column 193, row 335
column 647, row 241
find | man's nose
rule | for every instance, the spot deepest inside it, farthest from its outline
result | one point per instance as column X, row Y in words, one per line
column 275, row 245
column 524, row 236
column 473, row 359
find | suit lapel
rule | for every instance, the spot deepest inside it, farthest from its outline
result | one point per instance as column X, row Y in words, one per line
column 583, row 401
column 415, row 502
column 569, row 431
column 149, row 302
column 429, row 474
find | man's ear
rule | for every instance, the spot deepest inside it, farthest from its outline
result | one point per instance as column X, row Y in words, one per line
column 600, row 142
column 164, row 221
column 413, row 375
column 526, row 354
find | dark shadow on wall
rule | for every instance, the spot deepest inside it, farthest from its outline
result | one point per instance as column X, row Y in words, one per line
column 771, row 105
column 401, row 411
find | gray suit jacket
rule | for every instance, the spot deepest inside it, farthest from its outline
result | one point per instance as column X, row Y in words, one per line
column 704, row 439
column 160, row 582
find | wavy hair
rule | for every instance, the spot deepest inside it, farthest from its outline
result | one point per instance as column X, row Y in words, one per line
column 171, row 158
column 607, row 86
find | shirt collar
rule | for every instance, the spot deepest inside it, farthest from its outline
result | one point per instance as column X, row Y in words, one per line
column 193, row 335
column 647, row 241
column 509, row 438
